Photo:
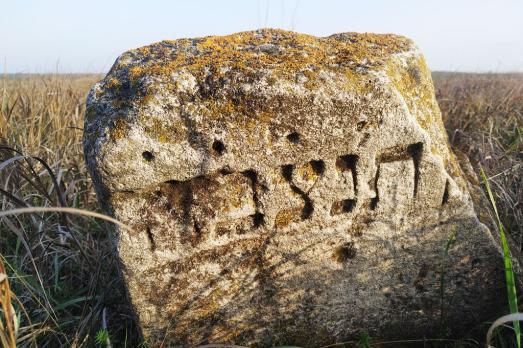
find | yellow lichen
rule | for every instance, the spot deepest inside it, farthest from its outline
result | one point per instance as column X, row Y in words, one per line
column 295, row 52
column 285, row 217
column 136, row 72
column 164, row 133
column 412, row 79
column 144, row 50
column 272, row 55
column 119, row 129
column 307, row 172
column 113, row 83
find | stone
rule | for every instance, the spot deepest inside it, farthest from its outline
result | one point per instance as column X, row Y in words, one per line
column 285, row 188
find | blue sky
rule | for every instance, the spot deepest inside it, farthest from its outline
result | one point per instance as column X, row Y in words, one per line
column 87, row 36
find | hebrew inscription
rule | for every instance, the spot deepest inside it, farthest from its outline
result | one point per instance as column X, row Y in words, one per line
column 228, row 203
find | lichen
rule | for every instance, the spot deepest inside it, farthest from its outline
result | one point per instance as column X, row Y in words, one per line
column 412, row 78
column 285, row 217
column 240, row 52
column 113, row 83
column 269, row 55
column 307, row 172
column 119, row 129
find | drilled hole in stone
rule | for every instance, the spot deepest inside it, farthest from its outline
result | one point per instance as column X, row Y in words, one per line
column 293, row 138
column 344, row 206
column 258, row 219
column 218, row 147
column 344, row 253
column 148, row 156
column 318, row 166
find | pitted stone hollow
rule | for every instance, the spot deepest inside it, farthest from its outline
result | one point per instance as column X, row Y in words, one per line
column 285, row 188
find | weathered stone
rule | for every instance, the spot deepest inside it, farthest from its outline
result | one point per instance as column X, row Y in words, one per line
column 285, row 188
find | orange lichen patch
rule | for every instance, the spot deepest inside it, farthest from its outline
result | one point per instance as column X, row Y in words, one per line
column 119, row 129
column 144, row 50
column 307, row 172
column 281, row 51
column 285, row 217
column 136, row 72
column 267, row 56
column 227, row 108
column 113, row 83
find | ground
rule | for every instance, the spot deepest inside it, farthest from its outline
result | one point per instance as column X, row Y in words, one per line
column 64, row 281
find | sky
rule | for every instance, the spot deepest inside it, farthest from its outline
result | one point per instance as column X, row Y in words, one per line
column 87, row 36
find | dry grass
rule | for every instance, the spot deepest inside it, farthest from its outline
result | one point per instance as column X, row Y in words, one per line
column 483, row 115
column 62, row 275
column 8, row 317
column 60, row 266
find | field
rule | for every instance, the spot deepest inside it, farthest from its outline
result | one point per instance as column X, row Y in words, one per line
column 65, row 288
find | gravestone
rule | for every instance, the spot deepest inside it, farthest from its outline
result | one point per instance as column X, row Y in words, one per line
column 284, row 188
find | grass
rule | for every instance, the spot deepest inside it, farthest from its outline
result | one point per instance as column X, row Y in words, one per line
column 8, row 321
column 63, row 286
column 507, row 262
column 483, row 115
column 54, row 259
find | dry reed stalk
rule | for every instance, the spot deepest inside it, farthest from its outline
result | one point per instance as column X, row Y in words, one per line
column 8, row 315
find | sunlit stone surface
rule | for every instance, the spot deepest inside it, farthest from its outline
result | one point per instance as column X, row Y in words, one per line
column 285, row 188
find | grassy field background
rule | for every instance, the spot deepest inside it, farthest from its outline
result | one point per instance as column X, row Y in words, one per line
column 63, row 276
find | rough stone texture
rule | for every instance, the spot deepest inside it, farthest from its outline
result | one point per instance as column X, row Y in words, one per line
column 285, row 188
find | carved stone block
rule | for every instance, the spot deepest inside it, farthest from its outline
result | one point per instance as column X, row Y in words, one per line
column 284, row 188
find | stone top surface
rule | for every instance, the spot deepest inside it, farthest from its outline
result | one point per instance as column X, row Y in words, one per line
column 251, row 53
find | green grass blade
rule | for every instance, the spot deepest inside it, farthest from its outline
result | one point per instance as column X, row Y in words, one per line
column 509, row 273
column 72, row 302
